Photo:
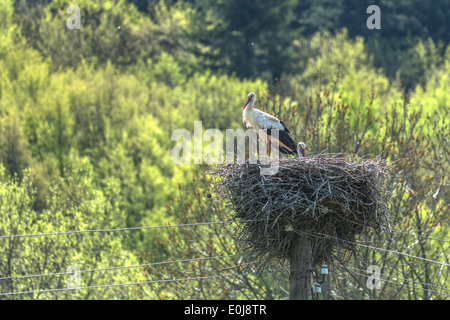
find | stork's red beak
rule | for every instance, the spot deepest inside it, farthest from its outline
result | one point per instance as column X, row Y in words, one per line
column 248, row 100
column 303, row 152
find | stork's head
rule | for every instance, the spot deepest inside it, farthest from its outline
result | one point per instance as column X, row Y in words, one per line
column 251, row 97
column 301, row 149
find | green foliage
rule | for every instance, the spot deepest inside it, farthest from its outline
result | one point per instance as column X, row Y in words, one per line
column 254, row 36
column 86, row 118
column 6, row 13
column 403, row 23
column 13, row 146
column 213, row 250
column 75, row 203
column 333, row 56
column 421, row 61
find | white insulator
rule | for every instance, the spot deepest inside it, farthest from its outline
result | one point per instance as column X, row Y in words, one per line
column 324, row 269
column 317, row 288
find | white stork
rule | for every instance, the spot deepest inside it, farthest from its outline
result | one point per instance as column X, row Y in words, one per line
column 301, row 149
column 257, row 119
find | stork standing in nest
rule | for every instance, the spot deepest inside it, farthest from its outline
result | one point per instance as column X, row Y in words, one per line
column 257, row 119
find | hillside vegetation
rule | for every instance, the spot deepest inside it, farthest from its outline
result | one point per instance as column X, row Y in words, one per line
column 86, row 118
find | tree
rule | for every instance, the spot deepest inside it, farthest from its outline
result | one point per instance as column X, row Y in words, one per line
column 254, row 37
column 13, row 145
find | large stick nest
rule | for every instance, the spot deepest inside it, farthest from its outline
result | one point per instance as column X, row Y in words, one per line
column 331, row 198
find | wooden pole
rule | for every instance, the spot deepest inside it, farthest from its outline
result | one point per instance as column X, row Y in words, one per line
column 300, row 269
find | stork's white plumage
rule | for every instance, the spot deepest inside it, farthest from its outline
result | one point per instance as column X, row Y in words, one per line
column 301, row 149
column 257, row 119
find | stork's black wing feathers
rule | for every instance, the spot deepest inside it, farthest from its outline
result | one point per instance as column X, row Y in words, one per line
column 285, row 139
column 284, row 126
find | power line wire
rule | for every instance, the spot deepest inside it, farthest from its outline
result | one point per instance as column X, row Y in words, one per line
column 198, row 278
column 166, row 226
column 403, row 284
column 115, row 230
column 382, row 249
column 128, row 284
column 185, row 260
column 206, row 223
column 400, row 278
column 115, row 268
column 193, row 278
column 420, row 236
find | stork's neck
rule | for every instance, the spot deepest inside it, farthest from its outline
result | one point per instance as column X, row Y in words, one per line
column 247, row 114
column 249, row 106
